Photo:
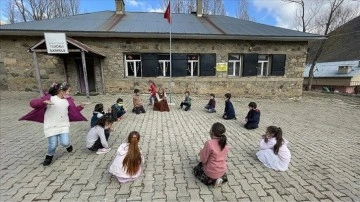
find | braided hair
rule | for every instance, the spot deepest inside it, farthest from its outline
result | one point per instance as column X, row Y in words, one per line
column 218, row 130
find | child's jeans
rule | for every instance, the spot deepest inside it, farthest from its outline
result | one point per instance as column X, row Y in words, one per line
column 186, row 104
column 53, row 142
column 97, row 145
column 151, row 99
column 209, row 109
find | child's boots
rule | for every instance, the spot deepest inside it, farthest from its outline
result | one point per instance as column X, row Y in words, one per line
column 48, row 160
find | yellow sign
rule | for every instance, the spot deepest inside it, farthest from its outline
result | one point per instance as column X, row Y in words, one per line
column 221, row 67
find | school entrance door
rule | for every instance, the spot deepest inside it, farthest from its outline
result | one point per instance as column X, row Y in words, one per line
column 90, row 75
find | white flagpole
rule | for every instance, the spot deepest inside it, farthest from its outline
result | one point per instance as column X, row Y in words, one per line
column 170, row 103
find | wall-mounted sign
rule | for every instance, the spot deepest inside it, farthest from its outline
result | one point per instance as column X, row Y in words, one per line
column 56, row 43
column 221, row 67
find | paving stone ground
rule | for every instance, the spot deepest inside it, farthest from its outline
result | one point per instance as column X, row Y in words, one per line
column 323, row 131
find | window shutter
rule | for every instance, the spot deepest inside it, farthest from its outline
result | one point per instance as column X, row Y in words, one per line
column 150, row 64
column 179, row 64
column 207, row 64
column 250, row 64
column 278, row 65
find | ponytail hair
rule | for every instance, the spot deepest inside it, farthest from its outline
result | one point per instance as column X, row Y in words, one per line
column 218, row 130
column 132, row 159
column 56, row 87
column 277, row 133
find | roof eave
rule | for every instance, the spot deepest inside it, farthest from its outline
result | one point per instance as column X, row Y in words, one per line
column 161, row 35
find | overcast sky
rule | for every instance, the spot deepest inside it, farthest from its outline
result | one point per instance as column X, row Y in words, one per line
column 270, row 12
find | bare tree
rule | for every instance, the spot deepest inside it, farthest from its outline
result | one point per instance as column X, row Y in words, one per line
column 243, row 10
column 9, row 12
column 213, row 7
column 29, row 10
column 334, row 16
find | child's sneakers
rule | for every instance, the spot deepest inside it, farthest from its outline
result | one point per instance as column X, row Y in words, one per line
column 103, row 151
column 69, row 148
column 218, row 182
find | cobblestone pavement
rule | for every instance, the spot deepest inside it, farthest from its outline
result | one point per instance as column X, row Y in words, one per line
column 323, row 131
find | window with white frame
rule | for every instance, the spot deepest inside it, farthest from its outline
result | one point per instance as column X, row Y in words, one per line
column 164, row 65
column 234, row 65
column 193, row 65
column 263, row 68
column 133, row 65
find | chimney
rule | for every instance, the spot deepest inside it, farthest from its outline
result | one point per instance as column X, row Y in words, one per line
column 344, row 69
column 199, row 8
column 120, row 6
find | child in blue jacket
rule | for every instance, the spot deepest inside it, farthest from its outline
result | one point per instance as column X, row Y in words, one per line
column 229, row 112
column 253, row 117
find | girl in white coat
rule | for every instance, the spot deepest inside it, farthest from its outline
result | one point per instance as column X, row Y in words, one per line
column 274, row 152
column 126, row 165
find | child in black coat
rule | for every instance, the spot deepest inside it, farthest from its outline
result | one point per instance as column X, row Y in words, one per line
column 253, row 117
column 210, row 107
column 229, row 112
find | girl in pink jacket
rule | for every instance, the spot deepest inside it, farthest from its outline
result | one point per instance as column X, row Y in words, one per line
column 56, row 110
column 212, row 168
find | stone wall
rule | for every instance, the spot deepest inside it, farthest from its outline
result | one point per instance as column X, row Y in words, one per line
column 18, row 64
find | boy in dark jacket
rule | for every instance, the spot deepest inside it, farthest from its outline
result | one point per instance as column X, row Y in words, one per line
column 117, row 110
column 210, row 107
column 229, row 112
column 253, row 117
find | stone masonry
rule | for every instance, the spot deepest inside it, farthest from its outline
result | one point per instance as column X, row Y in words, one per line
column 20, row 74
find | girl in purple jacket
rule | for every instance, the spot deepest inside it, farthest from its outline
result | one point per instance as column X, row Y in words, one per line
column 56, row 110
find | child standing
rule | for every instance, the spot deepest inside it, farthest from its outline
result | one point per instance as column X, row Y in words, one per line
column 210, row 107
column 186, row 102
column 138, row 106
column 253, row 117
column 229, row 112
column 126, row 165
column 212, row 168
column 117, row 110
column 274, row 152
column 153, row 90
column 96, row 139
column 56, row 110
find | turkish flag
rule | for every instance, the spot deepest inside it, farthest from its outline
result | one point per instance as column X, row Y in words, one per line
column 168, row 13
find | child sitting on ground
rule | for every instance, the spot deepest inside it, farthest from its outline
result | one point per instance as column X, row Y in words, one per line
column 253, row 117
column 229, row 112
column 138, row 106
column 186, row 102
column 210, row 107
column 97, row 114
column 212, row 168
column 274, row 152
column 126, row 165
column 117, row 110
column 96, row 139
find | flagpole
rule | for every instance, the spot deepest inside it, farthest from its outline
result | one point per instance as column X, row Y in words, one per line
column 170, row 56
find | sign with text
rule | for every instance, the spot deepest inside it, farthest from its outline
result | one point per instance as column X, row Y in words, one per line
column 221, row 67
column 56, row 43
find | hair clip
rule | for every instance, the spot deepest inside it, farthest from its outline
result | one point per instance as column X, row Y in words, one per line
column 62, row 85
column 53, row 85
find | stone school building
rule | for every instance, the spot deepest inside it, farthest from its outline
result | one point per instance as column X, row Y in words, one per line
column 117, row 51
